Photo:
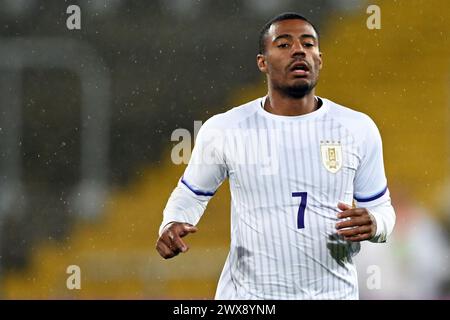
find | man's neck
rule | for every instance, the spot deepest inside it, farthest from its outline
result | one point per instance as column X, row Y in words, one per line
column 288, row 106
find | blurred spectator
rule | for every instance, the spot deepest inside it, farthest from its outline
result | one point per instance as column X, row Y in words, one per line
column 414, row 262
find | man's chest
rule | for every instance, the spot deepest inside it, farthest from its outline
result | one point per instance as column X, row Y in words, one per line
column 295, row 155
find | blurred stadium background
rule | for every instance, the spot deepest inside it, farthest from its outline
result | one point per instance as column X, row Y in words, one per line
column 87, row 116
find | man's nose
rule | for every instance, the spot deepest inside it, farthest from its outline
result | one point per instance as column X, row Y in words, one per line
column 297, row 49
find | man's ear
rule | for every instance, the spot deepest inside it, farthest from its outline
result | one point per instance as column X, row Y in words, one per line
column 261, row 62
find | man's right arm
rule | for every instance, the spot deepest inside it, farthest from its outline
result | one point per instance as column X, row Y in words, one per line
column 204, row 174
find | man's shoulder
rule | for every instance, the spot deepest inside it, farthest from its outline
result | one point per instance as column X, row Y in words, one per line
column 353, row 120
column 347, row 114
column 234, row 116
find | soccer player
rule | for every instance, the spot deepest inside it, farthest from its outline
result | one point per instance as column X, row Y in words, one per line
column 296, row 163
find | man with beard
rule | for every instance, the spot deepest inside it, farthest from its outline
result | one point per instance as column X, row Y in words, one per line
column 296, row 162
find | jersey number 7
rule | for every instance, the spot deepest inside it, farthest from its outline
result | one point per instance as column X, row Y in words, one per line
column 301, row 208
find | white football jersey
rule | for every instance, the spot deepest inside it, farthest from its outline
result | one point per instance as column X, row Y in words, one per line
column 287, row 175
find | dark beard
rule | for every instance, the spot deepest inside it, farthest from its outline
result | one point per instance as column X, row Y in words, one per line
column 296, row 91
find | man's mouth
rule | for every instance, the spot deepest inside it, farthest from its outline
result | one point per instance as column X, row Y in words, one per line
column 299, row 68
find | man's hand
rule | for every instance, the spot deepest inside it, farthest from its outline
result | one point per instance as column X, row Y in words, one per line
column 170, row 243
column 361, row 225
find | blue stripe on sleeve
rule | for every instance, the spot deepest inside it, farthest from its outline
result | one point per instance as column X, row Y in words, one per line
column 197, row 192
column 378, row 195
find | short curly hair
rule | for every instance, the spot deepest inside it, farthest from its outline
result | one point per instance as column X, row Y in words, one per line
column 280, row 17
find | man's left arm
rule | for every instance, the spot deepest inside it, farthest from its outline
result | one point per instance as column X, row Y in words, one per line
column 373, row 218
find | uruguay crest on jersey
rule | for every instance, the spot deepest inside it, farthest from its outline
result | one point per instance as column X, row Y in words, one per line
column 331, row 155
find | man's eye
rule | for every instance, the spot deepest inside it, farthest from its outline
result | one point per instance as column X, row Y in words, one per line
column 283, row 45
column 308, row 45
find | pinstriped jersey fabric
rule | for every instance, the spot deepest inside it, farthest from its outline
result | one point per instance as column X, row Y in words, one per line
column 287, row 175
